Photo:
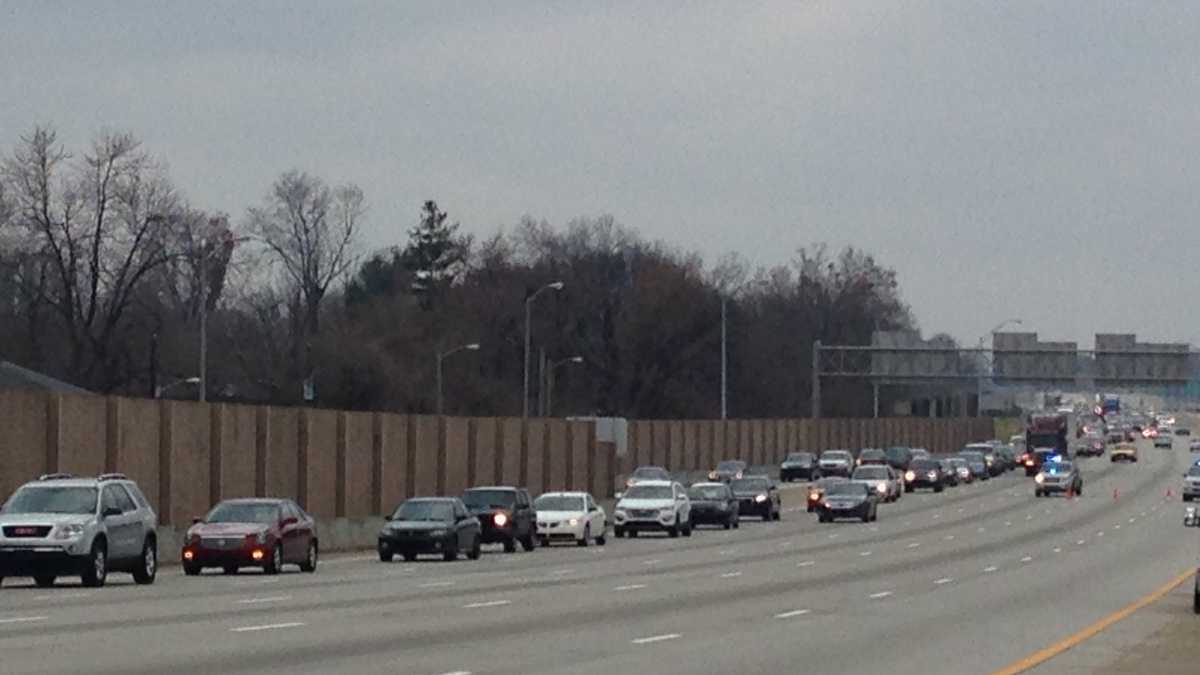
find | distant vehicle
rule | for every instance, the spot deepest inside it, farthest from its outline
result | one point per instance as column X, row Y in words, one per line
column 506, row 516
column 1046, row 431
column 1150, row 432
column 1007, row 456
column 1018, row 442
column 976, row 463
column 757, row 495
column 1183, row 431
column 899, row 458
column 430, row 525
column 962, row 469
column 1123, row 452
column 653, row 507
column 570, row 516
column 60, row 525
column 1164, row 441
column 647, row 473
column 925, row 473
column 1089, row 447
column 1194, row 446
column 802, row 465
column 872, row 457
column 837, row 463
column 1058, row 477
column 950, row 474
column 848, row 500
column 882, row 479
column 265, row 533
column 1191, row 484
column 816, row 491
column 728, row 470
column 988, row 453
column 713, row 504
column 920, row 453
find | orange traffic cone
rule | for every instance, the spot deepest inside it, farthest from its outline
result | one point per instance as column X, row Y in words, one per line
column 1170, row 493
column 1116, row 494
column 1070, row 493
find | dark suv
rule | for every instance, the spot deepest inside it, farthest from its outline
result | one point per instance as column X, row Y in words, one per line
column 505, row 515
column 899, row 458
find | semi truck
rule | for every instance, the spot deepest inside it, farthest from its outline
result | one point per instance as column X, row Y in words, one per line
column 1110, row 404
column 1045, row 434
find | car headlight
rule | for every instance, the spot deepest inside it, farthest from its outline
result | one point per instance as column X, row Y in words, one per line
column 881, row 488
column 500, row 520
column 69, row 531
column 1040, row 478
column 619, row 513
column 573, row 522
column 932, row 475
column 712, row 475
column 760, row 498
column 910, row 476
column 666, row 513
column 437, row 534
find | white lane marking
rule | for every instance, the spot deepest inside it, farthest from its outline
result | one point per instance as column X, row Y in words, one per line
column 1117, row 526
column 1027, row 558
column 833, row 536
column 63, row 596
column 24, row 619
column 268, row 580
column 630, row 587
column 936, row 516
column 784, row 544
column 651, row 562
column 561, row 573
column 1081, row 542
column 879, row 595
column 489, row 603
column 961, row 510
column 907, row 523
column 949, row 537
column 1099, row 534
column 1143, row 514
column 1008, row 523
column 864, row 553
column 1133, row 520
column 269, row 626
column 807, row 563
column 981, row 530
column 436, row 584
column 1057, row 550
column 793, row 613
column 943, row 580
column 1029, row 517
column 727, row 551
column 257, row 601
column 731, row 575
column 915, row 544
column 458, row 672
column 656, row 638
column 874, row 528
column 990, row 568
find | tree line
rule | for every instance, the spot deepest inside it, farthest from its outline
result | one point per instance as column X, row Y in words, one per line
column 107, row 272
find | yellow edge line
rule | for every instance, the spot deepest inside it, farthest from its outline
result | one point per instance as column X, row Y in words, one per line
column 1041, row 656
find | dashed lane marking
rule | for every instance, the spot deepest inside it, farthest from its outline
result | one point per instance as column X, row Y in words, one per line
column 259, row 601
column 268, row 626
column 807, row 563
column 864, row 553
column 731, row 575
column 880, row 595
column 1027, row 559
column 656, row 638
column 943, row 581
column 915, row 544
column 436, row 584
column 630, row 587
column 23, row 619
column 792, row 614
column 489, row 603
column 990, row 568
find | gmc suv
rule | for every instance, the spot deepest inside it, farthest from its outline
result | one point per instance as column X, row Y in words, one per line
column 60, row 525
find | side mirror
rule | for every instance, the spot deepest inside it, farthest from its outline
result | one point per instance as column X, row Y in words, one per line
column 681, row 498
column 288, row 521
column 619, row 495
column 388, row 517
column 197, row 520
column 110, row 511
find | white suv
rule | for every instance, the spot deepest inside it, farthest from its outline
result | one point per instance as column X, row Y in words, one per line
column 60, row 525
column 655, row 506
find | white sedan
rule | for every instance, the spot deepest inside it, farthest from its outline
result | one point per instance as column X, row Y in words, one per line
column 570, row 516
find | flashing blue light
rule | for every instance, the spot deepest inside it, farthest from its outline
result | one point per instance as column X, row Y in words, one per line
column 1054, row 458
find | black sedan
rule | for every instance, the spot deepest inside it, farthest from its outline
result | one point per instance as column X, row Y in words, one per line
column 757, row 495
column 816, row 491
column 848, row 500
column 802, row 465
column 925, row 473
column 713, row 504
column 728, row 470
column 433, row 525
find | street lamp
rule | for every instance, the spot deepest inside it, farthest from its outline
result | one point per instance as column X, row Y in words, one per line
column 473, row 347
column 550, row 381
column 160, row 390
column 991, row 362
column 555, row 286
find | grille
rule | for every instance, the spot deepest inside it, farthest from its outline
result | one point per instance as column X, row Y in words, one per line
column 223, row 543
column 643, row 513
column 27, row 531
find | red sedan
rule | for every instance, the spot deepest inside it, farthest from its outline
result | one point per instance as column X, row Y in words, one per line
column 266, row 533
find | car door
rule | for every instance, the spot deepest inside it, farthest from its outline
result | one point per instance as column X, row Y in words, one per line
column 119, row 524
column 462, row 529
column 294, row 532
column 526, row 521
column 595, row 516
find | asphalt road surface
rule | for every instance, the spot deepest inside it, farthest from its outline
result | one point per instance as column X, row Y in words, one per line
column 967, row 581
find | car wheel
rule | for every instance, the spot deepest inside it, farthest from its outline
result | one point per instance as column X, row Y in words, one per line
column 510, row 546
column 778, row 515
column 673, row 531
column 230, row 569
column 938, row 488
column 632, row 534
column 147, row 569
column 191, row 570
column 727, row 525
column 385, row 556
column 1196, row 600
column 451, row 554
column 618, row 532
column 587, row 534
column 821, row 518
column 1187, row 498
column 409, row 557
column 908, row 488
column 476, row 549
column 601, row 540
column 866, row 516
column 96, row 572
column 766, row 516
column 1079, row 491
column 529, row 542
column 687, row 529
column 310, row 559
column 275, row 564
column 44, row 580
column 737, row 523
column 543, row 541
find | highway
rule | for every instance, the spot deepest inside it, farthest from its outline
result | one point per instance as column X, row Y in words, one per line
column 967, row 581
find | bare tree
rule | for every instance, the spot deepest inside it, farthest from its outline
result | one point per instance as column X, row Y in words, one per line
column 310, row 230
column 92, row 231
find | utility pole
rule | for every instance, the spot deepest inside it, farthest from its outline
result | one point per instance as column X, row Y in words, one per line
column 816, row 380
column 556, row 286
column 724, row 361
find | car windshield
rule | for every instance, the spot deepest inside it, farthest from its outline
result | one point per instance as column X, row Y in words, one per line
column 836, row 455
column 707, row 492
column 895, row 453
column 559, row 503
column 855, row 489
column 243, row 512
column 1194, row 472
column 651, row 473
column 489, row 499
column 1058, row 467
column 750, row 485
column 649, row 492
column 925, row 465
column 971, row 456
column 53, row 500
column 871, row 454
column 731, row 465
column 799, row 457
column 870, row 473
column 423, row 509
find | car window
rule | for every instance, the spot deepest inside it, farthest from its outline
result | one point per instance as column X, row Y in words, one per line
column 124, row 500
column 108, row 499
column 138, row 497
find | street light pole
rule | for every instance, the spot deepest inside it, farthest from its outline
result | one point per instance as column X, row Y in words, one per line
column 990, row 364
column 550, row 381
column 159, row 391
column 724, row 361
column 441, row 356
column 557, row 286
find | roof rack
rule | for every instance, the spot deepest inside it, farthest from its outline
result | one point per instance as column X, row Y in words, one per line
column 112, row 476
column 55, row 476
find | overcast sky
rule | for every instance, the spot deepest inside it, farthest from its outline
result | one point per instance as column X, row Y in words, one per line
column 1009, row 159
